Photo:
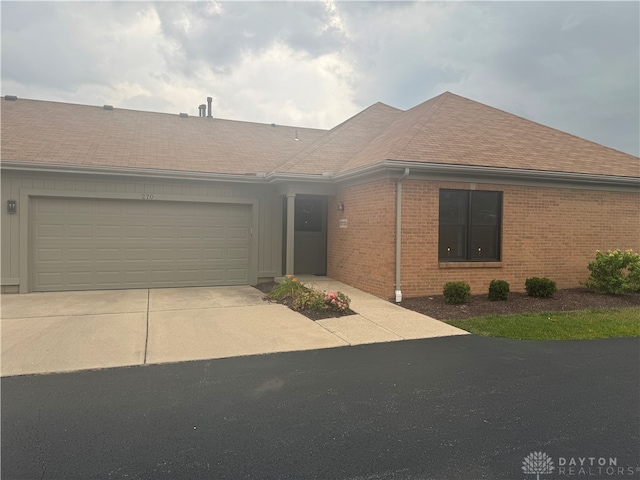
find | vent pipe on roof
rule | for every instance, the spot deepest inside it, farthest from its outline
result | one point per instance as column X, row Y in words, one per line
column 11, row 97
column 201, row 110
column 296, row 137
column 209, row 100
column 107, row 107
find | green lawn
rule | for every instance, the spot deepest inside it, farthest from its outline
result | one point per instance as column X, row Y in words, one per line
column 582, row 324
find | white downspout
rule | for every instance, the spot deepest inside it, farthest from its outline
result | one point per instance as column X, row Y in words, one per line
column 399, row 234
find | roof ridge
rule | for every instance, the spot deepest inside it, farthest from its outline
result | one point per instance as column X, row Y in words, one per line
column 131, row 110
column 338, row 129
column 429, row 115
column 390, row 126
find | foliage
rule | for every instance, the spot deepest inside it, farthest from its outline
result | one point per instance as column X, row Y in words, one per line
column 456, row 293
column 302, row 297
column 614, row 272
column 336, row 302
column 308, row 299
column 288, row 288
column 498, row 290
column 540, row 287
column 574, row 325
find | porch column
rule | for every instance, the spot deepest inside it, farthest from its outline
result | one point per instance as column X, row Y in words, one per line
column 291, row 207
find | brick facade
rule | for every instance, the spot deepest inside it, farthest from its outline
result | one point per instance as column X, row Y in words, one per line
column 363, row 254
column 552, row 232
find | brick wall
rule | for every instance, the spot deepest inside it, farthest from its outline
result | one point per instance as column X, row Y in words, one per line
column 550, row 232
column 363, row 254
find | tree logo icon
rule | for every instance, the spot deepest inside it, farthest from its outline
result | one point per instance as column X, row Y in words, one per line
column 538, row 463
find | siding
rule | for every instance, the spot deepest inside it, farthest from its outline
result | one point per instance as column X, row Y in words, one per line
column 269, row 228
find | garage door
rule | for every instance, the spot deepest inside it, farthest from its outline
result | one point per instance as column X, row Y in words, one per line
column 92, row 244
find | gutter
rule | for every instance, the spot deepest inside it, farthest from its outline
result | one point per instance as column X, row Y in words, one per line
column 161, row 173
column 492, row 173
column 399, row 234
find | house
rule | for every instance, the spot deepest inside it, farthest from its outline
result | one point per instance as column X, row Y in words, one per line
column 393, row 202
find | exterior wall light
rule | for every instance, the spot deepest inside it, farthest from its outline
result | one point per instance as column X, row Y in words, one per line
column 340, row 207
column 12, row 207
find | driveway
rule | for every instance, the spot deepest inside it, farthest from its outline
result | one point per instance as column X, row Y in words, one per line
column 67, row 331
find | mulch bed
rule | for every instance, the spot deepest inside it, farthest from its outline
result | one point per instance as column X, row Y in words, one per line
column 312, row 314
column 480, row 305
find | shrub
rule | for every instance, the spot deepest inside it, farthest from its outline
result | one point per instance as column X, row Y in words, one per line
column 540, row 287
column 456, row 293
column 336, row 302
column 614, row 272
column 308, row 299
column 288, row 288
column 498, row 290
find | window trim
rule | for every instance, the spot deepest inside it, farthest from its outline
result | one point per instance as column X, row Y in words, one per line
column 468, row 227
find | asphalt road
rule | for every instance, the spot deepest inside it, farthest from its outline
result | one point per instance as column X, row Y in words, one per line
column 447, row 408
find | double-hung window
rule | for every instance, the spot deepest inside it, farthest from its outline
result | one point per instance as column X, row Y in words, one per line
column 469, row 226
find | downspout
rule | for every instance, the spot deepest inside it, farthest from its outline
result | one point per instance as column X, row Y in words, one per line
column 399, row 234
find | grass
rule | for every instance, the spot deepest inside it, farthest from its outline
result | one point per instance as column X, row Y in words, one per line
column 576, row 325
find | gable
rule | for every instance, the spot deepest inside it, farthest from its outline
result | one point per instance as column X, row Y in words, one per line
column 453, row 130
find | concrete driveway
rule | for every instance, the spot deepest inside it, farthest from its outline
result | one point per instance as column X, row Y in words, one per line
column 68, row 331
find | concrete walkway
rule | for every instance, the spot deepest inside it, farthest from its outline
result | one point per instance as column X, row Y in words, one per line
column 68, row 331
column 377, row 319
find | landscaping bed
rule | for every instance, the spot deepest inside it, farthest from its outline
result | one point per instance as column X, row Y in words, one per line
column 479, row 305
column 288, row 300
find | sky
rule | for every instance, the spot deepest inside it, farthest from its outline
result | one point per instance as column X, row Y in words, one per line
column 574, row 66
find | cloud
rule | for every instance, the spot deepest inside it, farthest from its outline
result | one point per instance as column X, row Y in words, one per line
column 218, row 35
column 570, row 65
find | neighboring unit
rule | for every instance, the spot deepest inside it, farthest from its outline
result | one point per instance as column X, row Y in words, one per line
column 393, row 202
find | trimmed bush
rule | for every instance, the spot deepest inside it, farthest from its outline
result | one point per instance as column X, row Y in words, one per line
column 540, row 287
column 614, row 272
column 498, row 290
column 456, row 293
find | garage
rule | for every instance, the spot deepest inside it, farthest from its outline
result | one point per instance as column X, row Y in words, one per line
column 97, row 244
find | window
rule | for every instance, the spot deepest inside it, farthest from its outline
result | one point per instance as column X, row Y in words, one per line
column 470, row 224
column 308, row 215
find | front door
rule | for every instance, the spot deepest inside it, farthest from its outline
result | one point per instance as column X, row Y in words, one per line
column 310, row 237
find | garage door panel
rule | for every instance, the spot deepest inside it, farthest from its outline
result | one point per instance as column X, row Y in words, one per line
column 78, row 254
column 83, row 244
column 48, row 231
column 49, row 255
column 237, row 233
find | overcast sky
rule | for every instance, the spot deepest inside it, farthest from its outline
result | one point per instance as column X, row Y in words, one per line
column 573, row 66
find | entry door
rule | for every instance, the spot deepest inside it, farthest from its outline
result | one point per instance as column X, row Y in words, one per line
column 310, row 239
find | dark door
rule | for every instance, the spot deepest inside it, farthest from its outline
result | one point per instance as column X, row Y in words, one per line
column 310, row 238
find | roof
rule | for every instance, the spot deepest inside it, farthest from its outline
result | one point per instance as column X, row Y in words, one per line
column 61, row 133
column 447, row 130
column 454, row 130
column 331, row 152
